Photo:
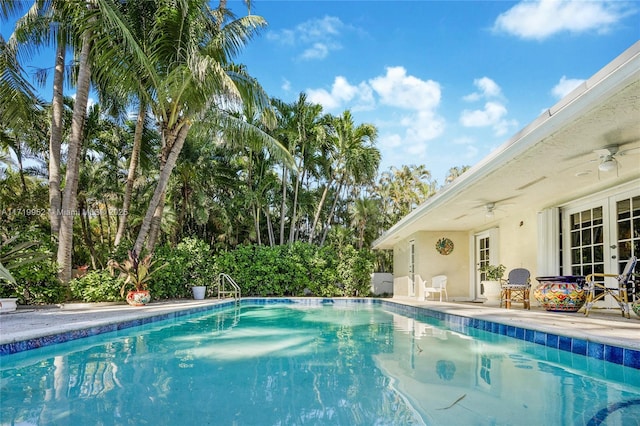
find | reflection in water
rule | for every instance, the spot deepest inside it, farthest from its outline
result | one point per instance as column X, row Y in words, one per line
column 445, row 369
column 279, row 364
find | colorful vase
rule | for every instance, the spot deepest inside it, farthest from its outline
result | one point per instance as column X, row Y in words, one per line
column 560, row 296
column 138, row 297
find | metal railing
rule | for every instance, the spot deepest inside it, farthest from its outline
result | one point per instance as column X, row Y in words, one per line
column 225, row 281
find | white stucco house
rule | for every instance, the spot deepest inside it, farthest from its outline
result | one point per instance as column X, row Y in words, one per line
column 560, row 197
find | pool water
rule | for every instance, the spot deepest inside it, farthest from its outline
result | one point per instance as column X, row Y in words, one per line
column 319, row 364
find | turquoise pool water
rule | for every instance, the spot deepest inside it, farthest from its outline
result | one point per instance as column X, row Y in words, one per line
column 313, row 363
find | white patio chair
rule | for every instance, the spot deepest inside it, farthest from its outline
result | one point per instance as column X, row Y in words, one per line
column 438, row 285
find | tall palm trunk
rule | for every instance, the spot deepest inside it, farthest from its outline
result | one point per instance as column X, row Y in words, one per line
column 131, row 175
column 55, row 140
column 175, row 140
column 294, row 218
column 156, row 221
column 272, row 238
column 70, row 195
column 331, row 212
column 283, row 204
column 316, row 217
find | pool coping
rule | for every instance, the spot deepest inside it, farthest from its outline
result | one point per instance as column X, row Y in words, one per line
column 572, row 334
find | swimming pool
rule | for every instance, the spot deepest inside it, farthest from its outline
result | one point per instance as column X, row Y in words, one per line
column 312, row 362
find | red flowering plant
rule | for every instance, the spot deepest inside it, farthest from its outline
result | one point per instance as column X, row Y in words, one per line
column 138, row 271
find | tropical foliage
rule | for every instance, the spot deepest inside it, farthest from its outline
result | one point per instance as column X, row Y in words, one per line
column 170, row 144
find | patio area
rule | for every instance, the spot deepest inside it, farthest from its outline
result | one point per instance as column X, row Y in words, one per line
column 602, row 326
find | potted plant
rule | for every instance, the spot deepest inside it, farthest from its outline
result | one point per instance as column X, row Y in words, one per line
column 201, row 276
column 138, row 273
column 198, row 264
column 199, row 289
column 491, row 282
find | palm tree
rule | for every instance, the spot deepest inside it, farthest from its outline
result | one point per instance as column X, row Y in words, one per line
column 310, row 133
column 47, row 23
column 355, row 158
column 69, row 196
column 454, row 173
column 364, row 212
column 403, row 189
column 192, row 46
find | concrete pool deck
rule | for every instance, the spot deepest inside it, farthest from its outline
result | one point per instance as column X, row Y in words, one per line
column 602, row 326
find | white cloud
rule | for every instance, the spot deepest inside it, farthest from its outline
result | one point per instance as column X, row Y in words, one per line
column 423, row 126
column 342, row 92
column 565, row 86
column 409, row 127
column 487, row 89
column 286, row 85
column 492, row 115
column 539, row 20
column 398, row 89
column 317, row 51
column 390, row 141
column 317, row 37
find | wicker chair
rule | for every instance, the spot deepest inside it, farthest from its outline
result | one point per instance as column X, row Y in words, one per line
column 598, row 290
column 516, row 288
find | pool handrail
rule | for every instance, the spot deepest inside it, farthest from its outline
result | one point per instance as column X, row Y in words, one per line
column 224, row 278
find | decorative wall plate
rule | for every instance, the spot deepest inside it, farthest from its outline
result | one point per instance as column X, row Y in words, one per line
column 444, row 246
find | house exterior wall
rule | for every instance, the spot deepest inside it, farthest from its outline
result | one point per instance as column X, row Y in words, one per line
column 518, row 235
column 517, row 244
column 429, row 263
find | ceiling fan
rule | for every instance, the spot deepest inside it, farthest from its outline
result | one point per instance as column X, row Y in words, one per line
column 607, row 157
column 491, row 207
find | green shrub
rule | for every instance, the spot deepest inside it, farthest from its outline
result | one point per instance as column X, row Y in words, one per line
column 298, row 269
column 35, row 275
column 37, row 283
column 187, row 264
column 97, row 286
column 355, row 270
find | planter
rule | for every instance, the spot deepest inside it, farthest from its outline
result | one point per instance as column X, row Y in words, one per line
column 199, row 291
column 562, row 294
column 138, row 297
column 7, row 304
column 492, row 290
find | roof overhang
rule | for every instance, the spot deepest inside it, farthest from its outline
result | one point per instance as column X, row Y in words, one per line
column 549, row 162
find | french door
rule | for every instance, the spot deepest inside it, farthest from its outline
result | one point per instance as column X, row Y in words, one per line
column 602, row 236
column 486, row 253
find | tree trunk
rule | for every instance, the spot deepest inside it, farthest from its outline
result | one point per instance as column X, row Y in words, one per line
column 133, row 165
column 269, row 228
column 55, row 141
column 283, row 204
column 316, row 217
column 255, row 212
column 69, row 197
column 330, row 218
column 108, row 217
column 85, row 226
column 294, row 219
column 156, row 223
column 163, row 180
column 100, row 223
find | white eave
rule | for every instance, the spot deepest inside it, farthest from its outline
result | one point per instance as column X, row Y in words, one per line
column 548, row 162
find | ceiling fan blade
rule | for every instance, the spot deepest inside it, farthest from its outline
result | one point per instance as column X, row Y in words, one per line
column 630, row 151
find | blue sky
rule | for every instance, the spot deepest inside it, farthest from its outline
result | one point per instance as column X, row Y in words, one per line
column 445, row 82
